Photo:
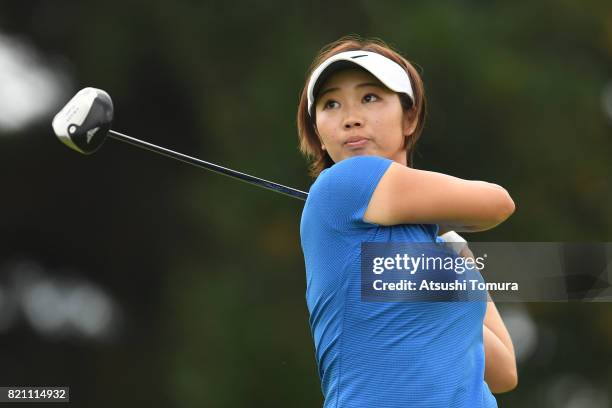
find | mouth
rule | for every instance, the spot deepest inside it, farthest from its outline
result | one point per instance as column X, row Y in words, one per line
column 355, row 141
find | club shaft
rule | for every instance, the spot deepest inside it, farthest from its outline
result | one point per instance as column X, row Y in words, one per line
column 279, row 188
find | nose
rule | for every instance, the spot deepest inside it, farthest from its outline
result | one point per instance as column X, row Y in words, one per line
column 353, row 116
column 352, row 121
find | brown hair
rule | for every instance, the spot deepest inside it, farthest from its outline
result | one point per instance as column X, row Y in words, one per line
column 310, row 145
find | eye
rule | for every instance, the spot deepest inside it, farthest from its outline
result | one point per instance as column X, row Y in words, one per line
column 370, row 97
column 329, row 104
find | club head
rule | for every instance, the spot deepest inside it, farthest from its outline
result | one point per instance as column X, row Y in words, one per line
column 85, row 121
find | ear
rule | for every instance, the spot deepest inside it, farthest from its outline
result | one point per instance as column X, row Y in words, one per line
column 409, row 122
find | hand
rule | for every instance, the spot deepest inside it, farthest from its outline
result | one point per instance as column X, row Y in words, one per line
column 466, row 252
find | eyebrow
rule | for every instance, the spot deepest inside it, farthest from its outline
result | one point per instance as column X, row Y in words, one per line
column 364, row 84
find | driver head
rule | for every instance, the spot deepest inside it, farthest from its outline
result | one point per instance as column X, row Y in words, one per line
column 84, row 122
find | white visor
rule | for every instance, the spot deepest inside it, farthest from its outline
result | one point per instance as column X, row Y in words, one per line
column 390, row 73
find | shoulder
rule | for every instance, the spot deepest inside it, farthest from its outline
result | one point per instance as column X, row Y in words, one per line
column 341, row 193
column 356, row 165
column 349, row 177
column 353, row 170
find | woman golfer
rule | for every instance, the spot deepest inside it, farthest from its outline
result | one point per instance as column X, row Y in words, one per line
column 360, row 115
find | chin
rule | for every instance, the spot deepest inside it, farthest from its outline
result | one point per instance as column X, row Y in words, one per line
column 362, row 152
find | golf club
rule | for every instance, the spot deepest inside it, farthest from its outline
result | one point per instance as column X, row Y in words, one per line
column 85, row 123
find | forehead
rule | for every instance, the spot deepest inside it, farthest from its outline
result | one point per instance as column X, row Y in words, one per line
column 349, row 77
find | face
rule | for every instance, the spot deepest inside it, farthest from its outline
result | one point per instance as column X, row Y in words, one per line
column 357, row 115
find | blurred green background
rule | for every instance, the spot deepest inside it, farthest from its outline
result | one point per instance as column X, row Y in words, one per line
column 140, row 281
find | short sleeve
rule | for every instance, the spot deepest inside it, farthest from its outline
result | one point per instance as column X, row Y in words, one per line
column 346, row 188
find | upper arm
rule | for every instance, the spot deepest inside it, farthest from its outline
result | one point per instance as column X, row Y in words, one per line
column 409, row 196
column 493, row 321
column 500, row 364
column 500, row 360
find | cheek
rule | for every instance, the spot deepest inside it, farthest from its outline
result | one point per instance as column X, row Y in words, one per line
column 391, row 125
column 325, row 128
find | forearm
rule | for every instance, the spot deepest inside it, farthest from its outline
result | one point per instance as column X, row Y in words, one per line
column 443, row 228
column 463, row 227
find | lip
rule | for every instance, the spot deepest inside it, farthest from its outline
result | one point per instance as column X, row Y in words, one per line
column 356, row 141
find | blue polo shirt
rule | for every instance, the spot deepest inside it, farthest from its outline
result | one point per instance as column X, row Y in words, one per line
column 381, row 354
